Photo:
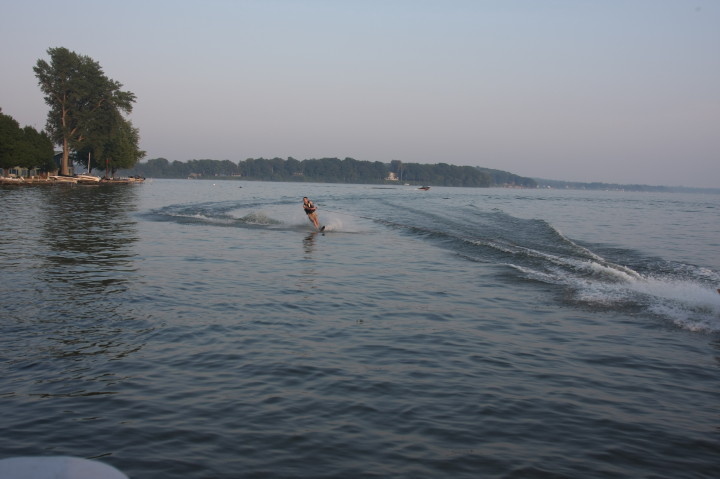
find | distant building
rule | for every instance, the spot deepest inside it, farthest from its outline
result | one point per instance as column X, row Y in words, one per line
column 391, row 177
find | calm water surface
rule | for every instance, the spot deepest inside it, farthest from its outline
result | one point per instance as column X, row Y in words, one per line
column 202, row 330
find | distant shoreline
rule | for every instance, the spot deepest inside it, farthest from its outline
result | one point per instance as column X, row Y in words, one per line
column 541, row 185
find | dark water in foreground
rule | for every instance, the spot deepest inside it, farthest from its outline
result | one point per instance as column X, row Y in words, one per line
column 199, row 330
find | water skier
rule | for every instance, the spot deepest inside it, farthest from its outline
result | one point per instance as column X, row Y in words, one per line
column 311, row 211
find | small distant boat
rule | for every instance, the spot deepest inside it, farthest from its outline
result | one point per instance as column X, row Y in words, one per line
column 71, row 180
column 424, row 188
column 87, row 179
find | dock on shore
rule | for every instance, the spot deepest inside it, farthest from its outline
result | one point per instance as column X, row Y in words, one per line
column 66, row 180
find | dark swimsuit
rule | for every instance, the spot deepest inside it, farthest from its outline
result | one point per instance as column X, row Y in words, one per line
column 309, row 208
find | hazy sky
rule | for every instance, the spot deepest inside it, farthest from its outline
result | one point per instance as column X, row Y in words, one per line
column 624, row 91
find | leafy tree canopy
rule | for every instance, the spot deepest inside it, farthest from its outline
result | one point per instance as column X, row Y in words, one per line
column 85, row 105
column 24, row 147
column 115, row 149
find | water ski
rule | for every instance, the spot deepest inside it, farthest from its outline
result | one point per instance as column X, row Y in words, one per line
column 322, row 229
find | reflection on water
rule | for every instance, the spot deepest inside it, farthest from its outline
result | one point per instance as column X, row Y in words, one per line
column 309, row 245
column 79, row 318
column 309, row 273
column 89, row 234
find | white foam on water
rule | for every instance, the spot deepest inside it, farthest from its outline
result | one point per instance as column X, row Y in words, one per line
column 688, row 304
column 334, row 224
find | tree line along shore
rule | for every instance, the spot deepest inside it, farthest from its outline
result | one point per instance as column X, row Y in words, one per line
column 349, row 170
column 332, row 170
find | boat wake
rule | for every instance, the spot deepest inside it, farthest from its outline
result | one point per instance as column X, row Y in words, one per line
column 276, row 216
column 589, row 276
column 230, row 214
column 683, row 294
column 585, row 275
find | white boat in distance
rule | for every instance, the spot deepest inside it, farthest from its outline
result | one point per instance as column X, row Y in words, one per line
column 83, row 179
column 87, row 179
column 63, row 179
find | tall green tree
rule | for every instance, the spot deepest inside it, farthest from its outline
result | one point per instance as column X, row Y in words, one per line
column 25, row 147
column 9, row 136
column 114, row 147
column 35, row 149
column 121, row 151
column 81, row 98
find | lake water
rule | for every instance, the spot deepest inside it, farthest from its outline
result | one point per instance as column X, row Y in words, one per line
column 201, row 329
